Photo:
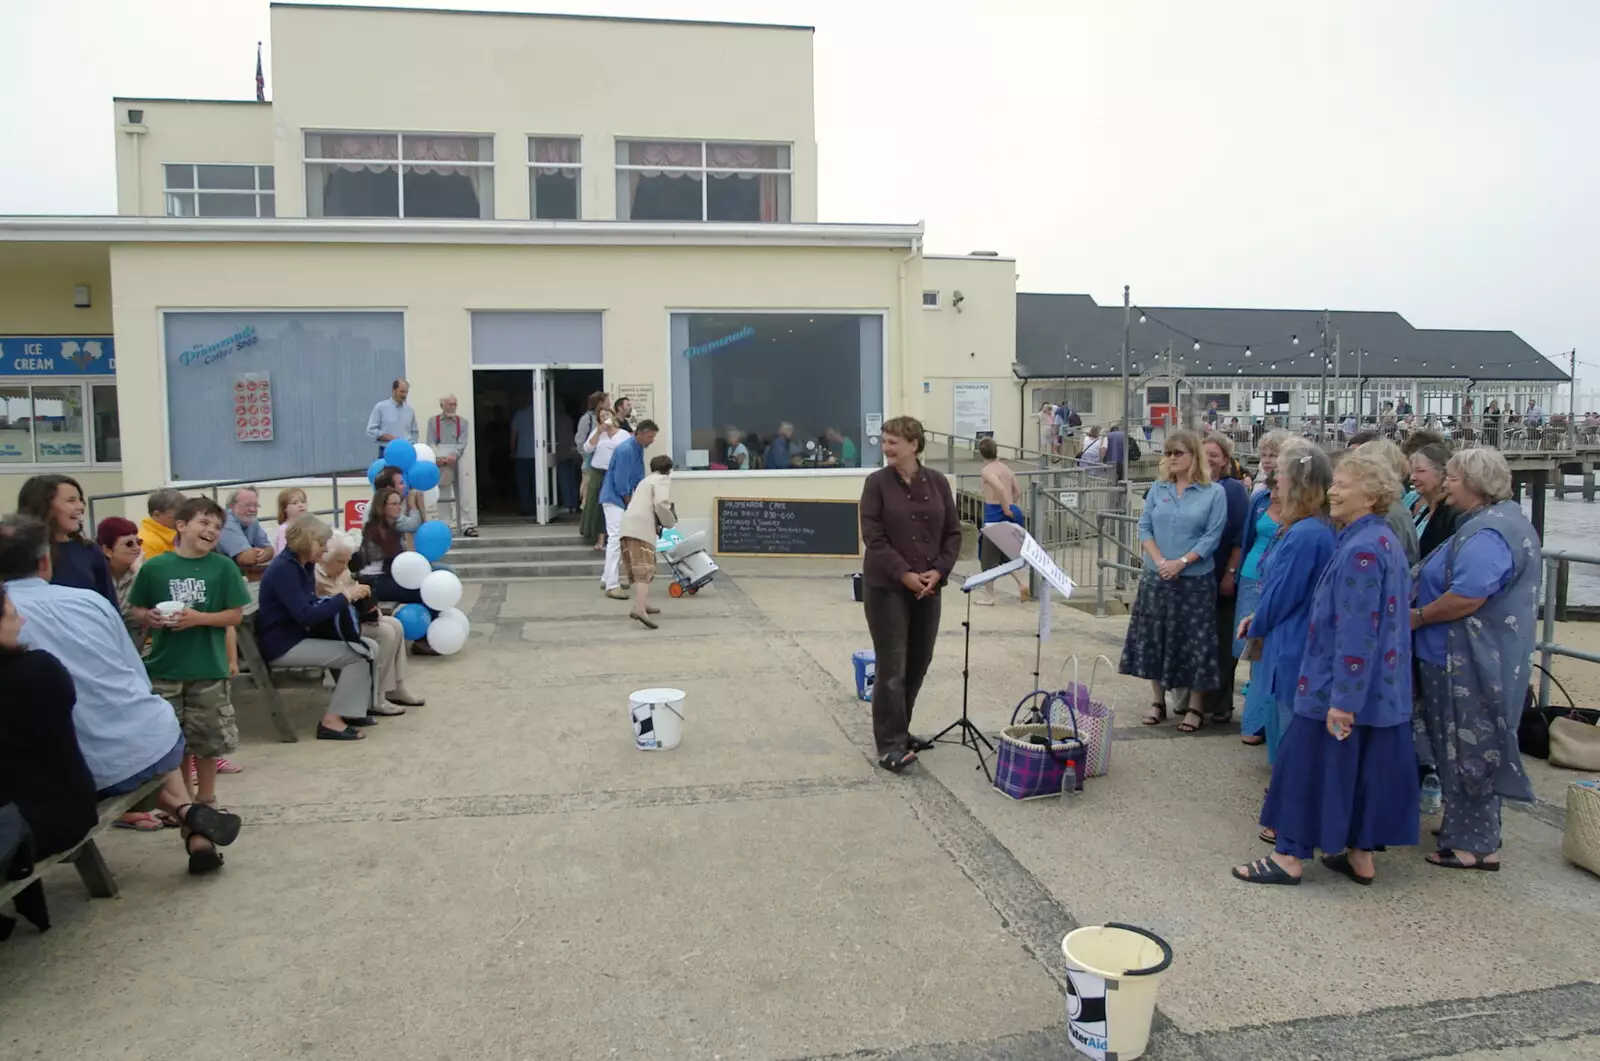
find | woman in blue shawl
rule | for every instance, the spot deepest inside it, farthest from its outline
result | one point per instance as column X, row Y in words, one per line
column 1346, row 778
column 1477, row 599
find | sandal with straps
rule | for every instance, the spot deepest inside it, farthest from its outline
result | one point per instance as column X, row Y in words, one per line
column 1156, row 715
column 1196, row 726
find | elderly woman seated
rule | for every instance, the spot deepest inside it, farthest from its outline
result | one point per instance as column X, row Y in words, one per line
column 299, row 627
column 333, row 576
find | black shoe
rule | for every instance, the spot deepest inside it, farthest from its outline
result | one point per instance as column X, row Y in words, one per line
column 218, row 826
column 919, row 744
column 348, row 733
column 365, row 720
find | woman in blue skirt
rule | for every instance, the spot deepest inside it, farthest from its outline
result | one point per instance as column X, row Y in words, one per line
column 1261, row 526
column 1345, row 780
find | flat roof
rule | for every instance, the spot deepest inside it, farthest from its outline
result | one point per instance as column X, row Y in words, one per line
column 180, row 99
column 120, row 229
column 546, row 14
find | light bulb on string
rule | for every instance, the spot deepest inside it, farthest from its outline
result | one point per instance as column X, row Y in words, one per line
column 1247, row 352
column 1142, row 318
column 1295, row 339
column 1197, row 344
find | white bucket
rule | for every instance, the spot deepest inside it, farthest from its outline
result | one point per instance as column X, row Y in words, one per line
column 1113, row 972
column 657, row 716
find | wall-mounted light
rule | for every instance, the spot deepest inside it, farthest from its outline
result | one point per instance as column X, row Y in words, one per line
column 80, row 296
column 956, row 298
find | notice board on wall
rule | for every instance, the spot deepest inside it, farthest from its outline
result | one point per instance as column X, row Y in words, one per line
column 747, row 526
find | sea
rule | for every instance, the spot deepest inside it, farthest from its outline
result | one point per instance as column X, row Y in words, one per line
column 1570, row 524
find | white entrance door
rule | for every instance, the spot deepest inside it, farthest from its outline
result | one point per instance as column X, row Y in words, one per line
column 544, row 459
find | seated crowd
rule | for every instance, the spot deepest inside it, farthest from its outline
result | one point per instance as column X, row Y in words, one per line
column 121, row 648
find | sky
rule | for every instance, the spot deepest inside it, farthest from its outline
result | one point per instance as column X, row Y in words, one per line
column 1434, row 157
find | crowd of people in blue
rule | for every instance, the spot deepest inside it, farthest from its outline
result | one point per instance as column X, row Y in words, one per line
column 1386, row 600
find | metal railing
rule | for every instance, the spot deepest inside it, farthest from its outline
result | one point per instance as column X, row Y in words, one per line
column 1557, row 564
column 191, row 489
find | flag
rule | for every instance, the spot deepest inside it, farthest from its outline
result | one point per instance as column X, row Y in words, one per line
column 261, row 81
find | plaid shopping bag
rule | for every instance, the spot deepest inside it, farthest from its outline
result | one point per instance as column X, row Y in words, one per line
column 1036, row 759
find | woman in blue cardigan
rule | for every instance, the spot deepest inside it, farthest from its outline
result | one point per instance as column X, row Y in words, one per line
column 298, row 628
column 1346, row 778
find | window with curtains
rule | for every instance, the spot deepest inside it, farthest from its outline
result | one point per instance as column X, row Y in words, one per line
column 399, row 175
column 555, row 177
column 697, row 180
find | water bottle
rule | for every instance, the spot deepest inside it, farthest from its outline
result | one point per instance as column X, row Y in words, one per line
column 1432, row 795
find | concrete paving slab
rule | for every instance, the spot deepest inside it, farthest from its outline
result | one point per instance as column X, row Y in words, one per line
column 1151, row 844
column 791, row 928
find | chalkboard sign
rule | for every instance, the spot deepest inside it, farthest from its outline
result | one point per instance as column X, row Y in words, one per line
column 774, row 527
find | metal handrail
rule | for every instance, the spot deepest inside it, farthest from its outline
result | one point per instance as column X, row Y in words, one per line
column 215, row 485
column 1556, row 565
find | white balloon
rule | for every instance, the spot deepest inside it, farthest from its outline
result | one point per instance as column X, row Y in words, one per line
column 430, row 498
column 447, row 636
column 455, row 615
column 441, row 590
column 425, row 452
column 410, row 570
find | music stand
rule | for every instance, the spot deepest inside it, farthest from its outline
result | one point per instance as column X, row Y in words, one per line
column 1025, row 552
column 970, row 735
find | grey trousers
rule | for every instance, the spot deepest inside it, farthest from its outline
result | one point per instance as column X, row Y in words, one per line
column 353, row 696
column 903, row 633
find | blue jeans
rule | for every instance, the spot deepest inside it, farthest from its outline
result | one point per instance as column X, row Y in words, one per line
column 567, row 485
column 160, row 768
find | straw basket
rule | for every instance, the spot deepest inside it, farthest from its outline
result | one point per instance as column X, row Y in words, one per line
column 1582, row 842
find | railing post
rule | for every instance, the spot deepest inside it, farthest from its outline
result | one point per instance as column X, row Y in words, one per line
column 1548, row 635
column 950, row 453
column 338, row 512
column 1036, row 517
column 1563, row 573
column 1100, row 571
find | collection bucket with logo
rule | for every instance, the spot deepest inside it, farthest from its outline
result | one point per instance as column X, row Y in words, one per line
column 1113, row 973
column 657, row 716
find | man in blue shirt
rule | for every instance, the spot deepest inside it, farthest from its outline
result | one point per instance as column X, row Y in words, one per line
column 623, row 476
column 128, row 735
column 243, row 538
column 778, row 454
column 392, row 418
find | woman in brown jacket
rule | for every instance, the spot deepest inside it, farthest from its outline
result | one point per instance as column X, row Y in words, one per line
column 912, row 535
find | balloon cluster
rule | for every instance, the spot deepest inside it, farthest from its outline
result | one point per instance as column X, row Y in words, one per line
column 416, row 463
column 441, row 590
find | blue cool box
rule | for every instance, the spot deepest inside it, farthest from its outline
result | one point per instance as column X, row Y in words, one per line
column 866, row 664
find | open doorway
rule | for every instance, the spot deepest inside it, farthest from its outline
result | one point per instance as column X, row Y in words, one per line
column 528, row 462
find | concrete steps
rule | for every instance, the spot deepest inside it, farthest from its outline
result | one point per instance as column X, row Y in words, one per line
column 524, row 552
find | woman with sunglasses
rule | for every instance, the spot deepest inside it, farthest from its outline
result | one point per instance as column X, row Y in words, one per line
column 1179, row 531
column 119, row 540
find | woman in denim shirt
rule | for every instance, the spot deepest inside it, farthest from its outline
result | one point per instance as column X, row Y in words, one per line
column 1179, row 530
column 1289, row 570
column 1345, row 781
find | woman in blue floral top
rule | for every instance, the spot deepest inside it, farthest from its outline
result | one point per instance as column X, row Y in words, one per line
column 1346, row 777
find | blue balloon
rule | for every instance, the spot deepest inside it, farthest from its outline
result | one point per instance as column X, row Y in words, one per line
column 423, row 475
column 400, row 453
column 375, row 469
column 414, row 620
column 433, row 539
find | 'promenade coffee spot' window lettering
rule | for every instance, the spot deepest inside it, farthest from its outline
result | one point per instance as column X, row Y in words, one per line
column 714, row 345
column 211, row 353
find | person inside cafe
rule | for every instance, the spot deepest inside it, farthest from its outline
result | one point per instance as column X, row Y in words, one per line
column 243, row 538
column 780, row 450
column 844, row 451
column 735, row 454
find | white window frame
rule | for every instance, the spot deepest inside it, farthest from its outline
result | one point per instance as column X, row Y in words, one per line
column 399, row 163
column 937, row 303
column 575, row 167
column 706, row 171
column 195, row 191
column 85, row 385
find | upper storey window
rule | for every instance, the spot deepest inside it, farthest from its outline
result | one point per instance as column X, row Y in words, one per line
column 399, row 175
column 218, row 191
column 555, row 177
column 698, row 180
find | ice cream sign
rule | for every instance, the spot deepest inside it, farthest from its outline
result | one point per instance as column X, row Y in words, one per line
column 93, row 355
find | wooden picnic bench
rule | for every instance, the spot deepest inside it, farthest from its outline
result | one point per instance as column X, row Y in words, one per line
column 86, row 857
column 260, row 673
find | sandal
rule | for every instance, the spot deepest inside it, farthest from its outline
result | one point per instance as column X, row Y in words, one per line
column 1445, row 858
column 897, row 760
column 1196, row 726
column 1155, row 716
column 1340, row 863
column 1253, row 740
column 218, row 826
column 348, row 733
column 227, row 766
column 1268, row 836
column 206, row 860
column 139, row 821
column 1264, row 871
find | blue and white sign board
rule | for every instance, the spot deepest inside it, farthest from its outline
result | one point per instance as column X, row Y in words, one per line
column 43, row 357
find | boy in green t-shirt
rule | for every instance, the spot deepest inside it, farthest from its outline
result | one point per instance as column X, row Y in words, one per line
column 189, row 660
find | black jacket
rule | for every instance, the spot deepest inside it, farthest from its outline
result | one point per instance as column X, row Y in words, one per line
column 41, row 769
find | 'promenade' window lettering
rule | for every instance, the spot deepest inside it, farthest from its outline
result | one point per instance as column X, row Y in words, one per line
column 213, row 352
column 714, row 345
